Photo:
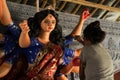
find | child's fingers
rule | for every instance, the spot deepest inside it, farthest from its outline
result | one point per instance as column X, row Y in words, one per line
column 85, row 13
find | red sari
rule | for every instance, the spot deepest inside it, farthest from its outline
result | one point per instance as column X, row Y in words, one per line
column 45, row 67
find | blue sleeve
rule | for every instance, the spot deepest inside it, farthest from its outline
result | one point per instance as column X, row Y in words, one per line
column 68, row 39
column 34, row 42
column 67, row 56
column 33, row 50
column 14, row 30
column 11, row 37
column 68, row 52
column 11, row 42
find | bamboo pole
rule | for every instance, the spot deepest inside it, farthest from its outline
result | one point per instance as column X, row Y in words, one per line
column 37, row 5
column 54, row 4
column 76, row 9
column 44, row 3
column 62, row 6
column 97, row 8
column 91, row 4
column 114, row 4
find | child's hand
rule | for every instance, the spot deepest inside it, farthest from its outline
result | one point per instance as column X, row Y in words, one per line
column 85, row 14
column 24, row 26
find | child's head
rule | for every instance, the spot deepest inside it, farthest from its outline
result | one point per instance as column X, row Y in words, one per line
column 94, row 33
column 36, row 22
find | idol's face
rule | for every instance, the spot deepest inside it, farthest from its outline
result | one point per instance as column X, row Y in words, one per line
column 48, row 24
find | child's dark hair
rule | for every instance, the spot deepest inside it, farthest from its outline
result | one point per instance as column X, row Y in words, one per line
column 94, row 33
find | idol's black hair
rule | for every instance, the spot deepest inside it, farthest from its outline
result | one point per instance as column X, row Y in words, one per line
column 35, row 27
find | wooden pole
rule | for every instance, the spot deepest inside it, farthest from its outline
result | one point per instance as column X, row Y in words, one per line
column 91, row 4
column 37, row 5
column 62, row 6
column 44, row 3
column 96, row 8
column 54, row 4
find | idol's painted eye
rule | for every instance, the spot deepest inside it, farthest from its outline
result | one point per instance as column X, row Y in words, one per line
column 53, row 22
column 47, row 21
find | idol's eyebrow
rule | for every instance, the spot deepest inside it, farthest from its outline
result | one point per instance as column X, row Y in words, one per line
column 46, row 20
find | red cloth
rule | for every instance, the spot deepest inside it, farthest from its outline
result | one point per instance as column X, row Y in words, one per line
column 46, row 68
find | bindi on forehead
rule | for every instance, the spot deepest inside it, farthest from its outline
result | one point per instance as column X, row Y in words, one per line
column 51, row 16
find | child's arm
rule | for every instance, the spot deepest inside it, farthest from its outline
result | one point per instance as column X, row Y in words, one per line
column 24, row 39
column 77, row 30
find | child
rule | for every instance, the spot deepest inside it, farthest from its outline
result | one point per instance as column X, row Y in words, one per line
column 95, row 61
